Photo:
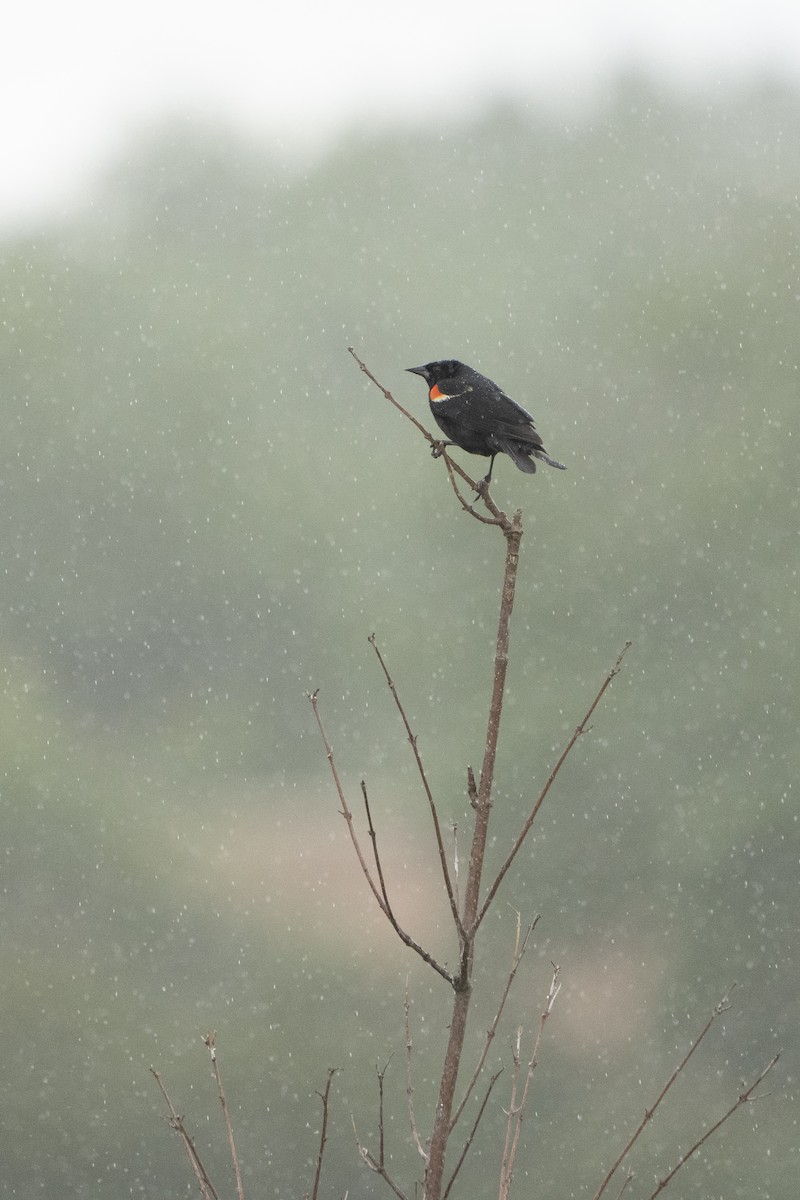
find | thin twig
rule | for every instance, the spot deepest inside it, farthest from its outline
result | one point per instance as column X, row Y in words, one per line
column 381, row 1136
column 721, row 1007
column 526, row 828
column 412, row 739
column 482, row 491
column 374, row 839
column 518, row 1115
column 520, row 946
column 378, row 1165
column 323, row 1137
column 410, row 1075
column 348, row 816
column 429, row 437
column 743, row 1098
column 456, row 862
column 472, row 1132
column 210, row 1041
column 516, row 1058
column 368, row 1158
column 176, row 1122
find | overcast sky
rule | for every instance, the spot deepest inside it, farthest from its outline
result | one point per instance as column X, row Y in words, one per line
column 77, row 77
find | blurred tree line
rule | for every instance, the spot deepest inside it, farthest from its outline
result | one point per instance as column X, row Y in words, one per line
column 206, row 510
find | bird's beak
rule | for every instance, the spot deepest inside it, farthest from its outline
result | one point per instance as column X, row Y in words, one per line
column 417, row 371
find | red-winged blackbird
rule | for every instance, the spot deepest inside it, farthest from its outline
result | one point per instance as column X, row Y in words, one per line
column 478, row 416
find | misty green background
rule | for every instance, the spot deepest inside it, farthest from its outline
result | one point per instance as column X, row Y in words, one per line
column 206, row 509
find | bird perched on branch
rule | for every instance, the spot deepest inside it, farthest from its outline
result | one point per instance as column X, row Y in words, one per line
column 477, row 415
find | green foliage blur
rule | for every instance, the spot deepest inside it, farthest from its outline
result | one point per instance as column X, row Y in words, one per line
column 206, row 509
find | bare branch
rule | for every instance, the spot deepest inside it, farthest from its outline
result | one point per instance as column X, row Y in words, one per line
column 412, row 739
column 722, row 1006
column 348, row 816
column 472, row 1132
column 743, row 1098
column 381, row 1078
column 505, row 1182
column 526, row 828
column 483, row 804
column 324, row 1134
column 513, row 538
column 384, row 1174
column 378, row 1165
column 520, row 946
column 456, row 862
column 345, row 809
column 410, row 1075
column 516, row 1114
column 210, row 1042
column 374, row 839
column 207, row 1188
column 481, row 489
column 429, row 437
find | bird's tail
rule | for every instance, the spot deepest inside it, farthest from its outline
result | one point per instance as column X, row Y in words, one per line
column 520, row 455
column 551, row 462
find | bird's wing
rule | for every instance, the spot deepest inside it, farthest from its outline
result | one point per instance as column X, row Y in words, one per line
column 503, row 417
column 520, row 433
column 503, row 399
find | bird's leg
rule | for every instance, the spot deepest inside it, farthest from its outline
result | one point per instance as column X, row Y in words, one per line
column 487, row 479
column 438, row 448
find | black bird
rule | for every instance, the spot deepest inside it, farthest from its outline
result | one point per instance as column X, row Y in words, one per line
column 477, row 415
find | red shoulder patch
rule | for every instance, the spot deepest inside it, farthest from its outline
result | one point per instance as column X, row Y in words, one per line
column 435, row 394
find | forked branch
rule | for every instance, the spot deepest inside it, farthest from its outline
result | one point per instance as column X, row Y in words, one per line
column 376, row 891
column 378, row 1165
column 412, row 738
column 483, row 492
column 518, row 1106
column 742, row 1098
column 520, row 946
column 207, row 1189
column 722, row 1006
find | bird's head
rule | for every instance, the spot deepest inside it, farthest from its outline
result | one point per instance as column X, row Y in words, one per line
column 436, row 372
